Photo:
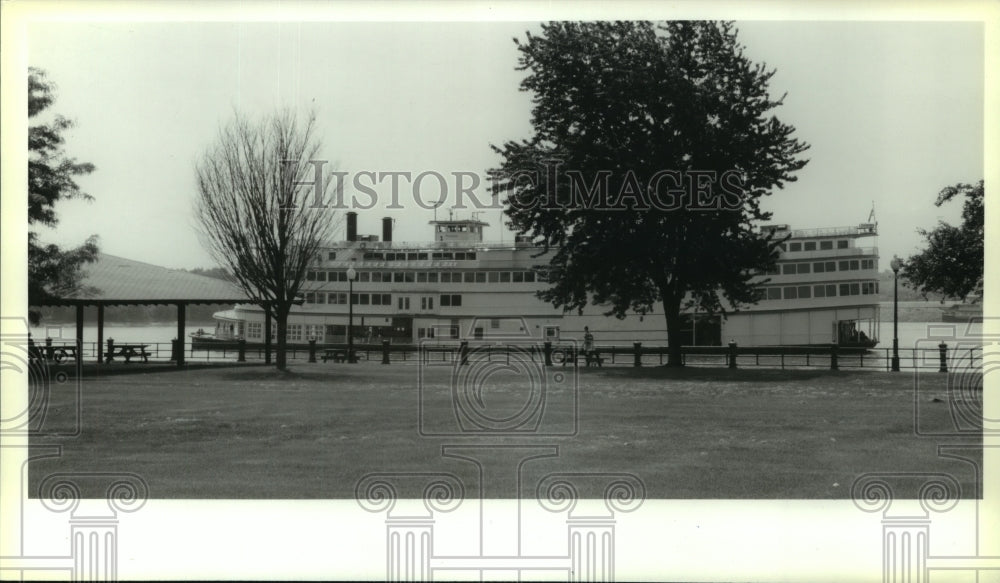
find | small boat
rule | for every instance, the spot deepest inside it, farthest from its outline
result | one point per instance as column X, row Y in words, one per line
column 202, row 337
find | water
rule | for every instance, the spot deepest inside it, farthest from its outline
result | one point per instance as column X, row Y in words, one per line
column 122, row 333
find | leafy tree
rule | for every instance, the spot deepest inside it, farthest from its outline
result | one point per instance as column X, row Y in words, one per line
column 652, row 147
column 52, row 271
column 248, row 184
column 952, row 262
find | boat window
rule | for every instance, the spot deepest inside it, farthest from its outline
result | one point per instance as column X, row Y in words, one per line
column 842, row 244
column 310, row 275
column 809, row 245
column 802, row 268
column 831, row 290
column 421, row 277
column 422, row 256
column 854, row 264
column 445, row 277
column 494, row 276
column 844, row 265
column 331, row 256
column 791, row 293
column 432, row 277
column 855, row 289
column 408, row 276
column 529, row 277
column 518, row 276
column 819, row 291
column 795, row 246
column 310, row 298
column 354, row 299
column 364, row 276
column 845, row 289
column 505, row 276
column 411, row 256
column 320, row 276
column 774, row 293
column 818, row 267
column 397, row 277
column 364, row 299
column 480, row 277
column 831, row 266
column 321, row 298
column 470, row 277
column 804, row 291
column 788, row 269
column 825, row 245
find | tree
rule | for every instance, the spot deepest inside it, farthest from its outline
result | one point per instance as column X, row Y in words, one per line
column 248, row 182
column 952, row 262
column 651, row 150
column 52, row 271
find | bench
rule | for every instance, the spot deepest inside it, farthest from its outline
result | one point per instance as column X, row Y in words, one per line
column 126, row 351
column 590, row 357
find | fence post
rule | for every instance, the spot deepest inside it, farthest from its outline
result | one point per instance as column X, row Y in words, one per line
column 834, row 365
column 49, row 352
column 943, row 353
column 463, row 351
column 637, row 346
column 732, row 354
column 385, row 352
column 312, row 350
column 547, row 349
column 242, row 351
column 174, row 348
column 111, row 349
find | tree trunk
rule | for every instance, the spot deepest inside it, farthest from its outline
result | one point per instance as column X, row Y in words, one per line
column 672, row 312
column 282, row 320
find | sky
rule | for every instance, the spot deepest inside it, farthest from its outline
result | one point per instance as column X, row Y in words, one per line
column 893, row 112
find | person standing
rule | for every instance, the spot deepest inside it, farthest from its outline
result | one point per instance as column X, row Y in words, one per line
column 588, row 345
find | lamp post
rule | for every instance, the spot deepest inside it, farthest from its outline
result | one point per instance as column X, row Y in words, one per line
column 351, row 274
column 895, row 264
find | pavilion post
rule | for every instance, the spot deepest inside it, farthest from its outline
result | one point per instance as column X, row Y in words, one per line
column 267, row 334
column 100, row 333
column 79, row 332
column 181, row 308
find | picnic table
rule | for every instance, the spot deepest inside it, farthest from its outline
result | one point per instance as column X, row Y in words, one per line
column 126, row 351
column 61, row 352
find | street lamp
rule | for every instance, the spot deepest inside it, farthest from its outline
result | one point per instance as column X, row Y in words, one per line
column 895, row 264
column 351, row 274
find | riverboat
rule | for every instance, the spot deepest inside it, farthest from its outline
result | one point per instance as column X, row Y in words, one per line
column 824, row 290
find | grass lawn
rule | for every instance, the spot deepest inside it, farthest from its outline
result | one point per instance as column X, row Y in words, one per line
column 253, row 432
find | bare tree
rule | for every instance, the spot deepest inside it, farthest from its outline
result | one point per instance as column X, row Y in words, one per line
column 252, row 185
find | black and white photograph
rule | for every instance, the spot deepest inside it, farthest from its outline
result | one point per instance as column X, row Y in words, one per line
column 472, row 291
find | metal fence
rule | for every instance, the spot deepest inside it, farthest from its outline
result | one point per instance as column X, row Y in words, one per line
column 940, row 358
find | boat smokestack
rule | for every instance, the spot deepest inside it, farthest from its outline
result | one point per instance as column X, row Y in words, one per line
column 387, row 228
column 352, row 226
